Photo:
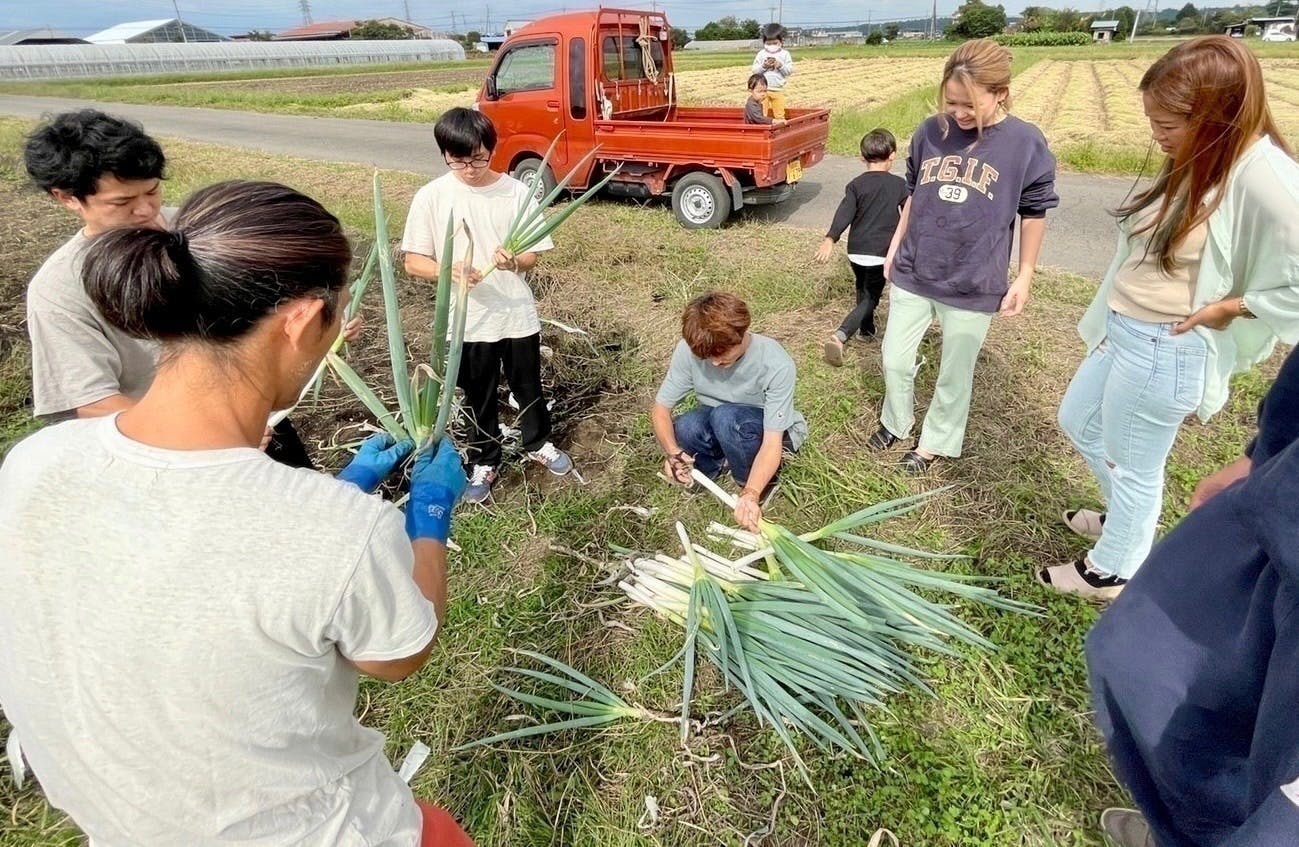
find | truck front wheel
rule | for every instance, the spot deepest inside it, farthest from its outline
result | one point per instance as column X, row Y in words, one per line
column 701, row 201
column 524, row 172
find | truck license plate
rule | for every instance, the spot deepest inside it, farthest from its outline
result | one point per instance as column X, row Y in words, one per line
column 794, row 171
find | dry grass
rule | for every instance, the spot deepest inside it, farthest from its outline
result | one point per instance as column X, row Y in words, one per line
column 1097, row 102
column 832, row 83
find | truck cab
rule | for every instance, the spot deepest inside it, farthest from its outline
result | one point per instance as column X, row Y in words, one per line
column 604, row 80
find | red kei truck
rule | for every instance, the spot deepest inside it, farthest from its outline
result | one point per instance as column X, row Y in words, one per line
column 604, row 79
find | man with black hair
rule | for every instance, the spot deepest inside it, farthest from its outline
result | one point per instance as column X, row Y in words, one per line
column 108, row 172
column 502, row 329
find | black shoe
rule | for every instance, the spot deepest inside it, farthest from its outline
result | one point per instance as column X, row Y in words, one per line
column 882, row 439
column 916, row 464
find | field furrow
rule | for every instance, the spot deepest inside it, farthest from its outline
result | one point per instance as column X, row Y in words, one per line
column 1099, row 102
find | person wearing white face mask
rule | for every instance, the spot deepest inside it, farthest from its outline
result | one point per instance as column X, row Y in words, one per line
column 774, row 62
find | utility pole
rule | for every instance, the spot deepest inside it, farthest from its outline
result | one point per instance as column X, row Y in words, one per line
column 305, row 6
column 780, row 13
column 180, row 23
column 933, row 20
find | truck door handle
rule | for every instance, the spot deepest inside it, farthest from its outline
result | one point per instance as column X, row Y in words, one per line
column 552, row 104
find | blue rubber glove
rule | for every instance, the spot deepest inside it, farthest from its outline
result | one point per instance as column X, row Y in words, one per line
column 377, row 457
column 436, row 483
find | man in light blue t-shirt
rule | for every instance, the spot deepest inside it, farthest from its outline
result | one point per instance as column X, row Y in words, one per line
column 745, row 386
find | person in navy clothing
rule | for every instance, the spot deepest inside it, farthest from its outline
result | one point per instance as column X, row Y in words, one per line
column 1202, row 721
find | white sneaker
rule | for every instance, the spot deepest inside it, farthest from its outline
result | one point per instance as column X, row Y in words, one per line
column 481, row 480
column 556, row 461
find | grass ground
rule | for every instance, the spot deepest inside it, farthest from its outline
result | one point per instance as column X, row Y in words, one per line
column 1006, row 755
column 1084, row 98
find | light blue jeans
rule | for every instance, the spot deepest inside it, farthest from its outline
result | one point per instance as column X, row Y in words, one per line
column 1122, row 412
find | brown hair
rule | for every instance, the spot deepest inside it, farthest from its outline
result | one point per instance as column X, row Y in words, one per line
column 237, row 250
column 1216, row 84
column 979, row 62
column 714, row 323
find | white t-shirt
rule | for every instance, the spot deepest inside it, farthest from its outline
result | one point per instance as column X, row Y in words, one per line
column 78, row 358
column 174, row 635
column 501, row 306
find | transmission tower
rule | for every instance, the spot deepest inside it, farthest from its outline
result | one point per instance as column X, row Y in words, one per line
column 1151, row 11
column 406, row 5
column 305, row 6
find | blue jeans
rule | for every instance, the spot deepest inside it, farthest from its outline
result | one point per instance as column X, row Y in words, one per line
column 1122, row 411
column 731, row 432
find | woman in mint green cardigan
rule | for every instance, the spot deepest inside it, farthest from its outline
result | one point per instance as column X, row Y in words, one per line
column 1204, row 283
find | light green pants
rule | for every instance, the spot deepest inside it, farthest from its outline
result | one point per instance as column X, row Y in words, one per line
column 963, row 332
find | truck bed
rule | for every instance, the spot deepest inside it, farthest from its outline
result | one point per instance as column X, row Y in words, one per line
column 716, row 136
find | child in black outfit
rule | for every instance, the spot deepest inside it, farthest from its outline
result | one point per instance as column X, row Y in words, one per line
column 870, row 211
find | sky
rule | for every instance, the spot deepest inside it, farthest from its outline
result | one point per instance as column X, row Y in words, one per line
column 228, row 17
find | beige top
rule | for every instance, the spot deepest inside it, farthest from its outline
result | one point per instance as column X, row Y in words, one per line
column 1143, row 291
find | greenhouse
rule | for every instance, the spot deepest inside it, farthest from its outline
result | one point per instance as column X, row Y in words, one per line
column 60, row 61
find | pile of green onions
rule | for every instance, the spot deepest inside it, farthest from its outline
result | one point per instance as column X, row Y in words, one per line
column 821, row 635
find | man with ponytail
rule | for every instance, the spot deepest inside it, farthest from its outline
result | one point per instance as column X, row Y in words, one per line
column 107, row 172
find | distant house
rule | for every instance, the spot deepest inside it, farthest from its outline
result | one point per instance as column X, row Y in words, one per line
column 342, row 30
column 321, row 31
column 1277, row 28
column 417, row 31
column 165, row 31
column 1104, row 31
column 44, row 35
column 1236, row 30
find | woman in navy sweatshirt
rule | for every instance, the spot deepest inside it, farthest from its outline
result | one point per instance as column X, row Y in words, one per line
column 973, row 170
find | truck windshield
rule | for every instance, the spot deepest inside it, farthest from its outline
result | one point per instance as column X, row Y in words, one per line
column 623, row 57
column 527, row 67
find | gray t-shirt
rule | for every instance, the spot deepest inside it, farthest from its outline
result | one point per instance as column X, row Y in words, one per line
column 77, row 357
column 175, row 636
column 763, row 377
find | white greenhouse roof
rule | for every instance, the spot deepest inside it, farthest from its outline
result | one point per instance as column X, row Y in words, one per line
column 121, row 33
column 91, row 60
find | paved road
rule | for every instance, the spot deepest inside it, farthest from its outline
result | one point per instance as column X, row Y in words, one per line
column 1080, row 237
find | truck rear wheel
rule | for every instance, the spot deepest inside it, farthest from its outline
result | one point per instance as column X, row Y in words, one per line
column 524, row 170
column 701, row 201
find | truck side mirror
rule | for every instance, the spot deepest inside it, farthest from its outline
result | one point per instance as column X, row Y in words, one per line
column 490, row 88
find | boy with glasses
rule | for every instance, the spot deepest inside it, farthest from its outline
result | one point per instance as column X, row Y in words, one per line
column 502, row 329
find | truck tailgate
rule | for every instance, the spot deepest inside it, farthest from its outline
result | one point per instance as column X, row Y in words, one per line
column 718, row 137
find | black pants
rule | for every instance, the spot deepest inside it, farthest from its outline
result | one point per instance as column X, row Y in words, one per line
column 870, row 288
column 286, row 447
column 480, row 375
